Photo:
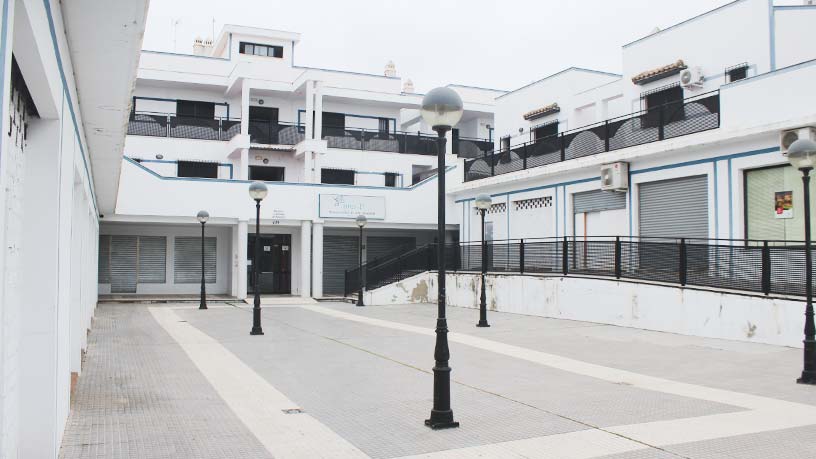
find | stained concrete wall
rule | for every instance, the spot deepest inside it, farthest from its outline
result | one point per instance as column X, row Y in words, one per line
column 646, row 306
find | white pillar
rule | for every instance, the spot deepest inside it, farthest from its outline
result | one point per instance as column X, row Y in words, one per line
column 318, row 109
column 240, row 255
column 305, row 258
column 317, row 259
column 310, row 110
column 245, row 108
column 243, row 167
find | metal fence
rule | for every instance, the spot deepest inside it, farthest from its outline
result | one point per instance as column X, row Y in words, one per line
column 376, row 140
column 183, row 127
column 275, row 132
column 769, row 267
column 467, row 147
column 691, row 115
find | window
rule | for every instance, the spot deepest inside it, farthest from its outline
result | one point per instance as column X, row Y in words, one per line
column 266, row 173
column 545, row 130
column 337, row 176
column 197, row 169
column 505, row 143
column 195, row 109
column 774, row 204
column 257, row 113
column 261, row 50
column 657, row 104
column 390, row 179
column 736, row 73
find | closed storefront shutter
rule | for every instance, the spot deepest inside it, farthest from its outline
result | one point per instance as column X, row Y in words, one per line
column 123, row 264
column 152, row 259
column 597, row 200
column 676, row 208
column 762, row 189
column 104, row 259
column 187, row 255
column 339, row 254
column 378, row 247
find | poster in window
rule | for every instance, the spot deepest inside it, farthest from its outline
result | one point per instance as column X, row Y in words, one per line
column 783, row 204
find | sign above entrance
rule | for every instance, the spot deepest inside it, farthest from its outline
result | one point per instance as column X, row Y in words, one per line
column 349, row 206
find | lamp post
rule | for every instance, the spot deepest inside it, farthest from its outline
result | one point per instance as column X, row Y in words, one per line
column 441, row 109
column 257, row 191
column 202, row 217
column 802, row 155
column 483, row 202
column 361, row 222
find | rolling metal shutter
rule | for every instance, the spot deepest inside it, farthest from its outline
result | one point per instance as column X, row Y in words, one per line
column 676, row 208
column 187, row 263
column 597, row 200
column 378, row 247
column 104, row 259
column 152, row 259
column 339, row 254
column 123, row 264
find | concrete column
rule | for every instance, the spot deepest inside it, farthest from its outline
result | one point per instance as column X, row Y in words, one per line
column 243, row 167
column 308, row 165
column 245, row 108
column 317, row 259
column 305, row 258
column 310, row 99
column 318, row 110
column 240, row 254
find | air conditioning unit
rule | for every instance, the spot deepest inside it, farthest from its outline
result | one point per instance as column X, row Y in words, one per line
column 615, row 176
column 786, row 138
column 256, row 100
column 692, row 78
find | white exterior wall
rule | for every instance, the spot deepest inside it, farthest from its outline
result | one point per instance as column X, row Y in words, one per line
column 651, row 307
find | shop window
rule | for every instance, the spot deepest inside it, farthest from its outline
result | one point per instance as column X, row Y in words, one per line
column 266, row 173
column 197, row 169
column 337, row 176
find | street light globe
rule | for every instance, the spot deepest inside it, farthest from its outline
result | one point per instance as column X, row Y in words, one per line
column 361, row 220
column 257, row 191
column 203, row 216
column 483, row 201
column 442, row 108
column 802, row 154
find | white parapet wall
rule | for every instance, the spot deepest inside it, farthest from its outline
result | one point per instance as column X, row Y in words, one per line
column 651, row 307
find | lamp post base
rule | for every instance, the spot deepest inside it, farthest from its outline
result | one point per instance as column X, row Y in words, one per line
column 441, row 420
column 256, row 331
column 808, row 377
column 202, row 306
column 483, row 324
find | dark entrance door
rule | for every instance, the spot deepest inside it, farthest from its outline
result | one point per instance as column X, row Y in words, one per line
column 275, row 264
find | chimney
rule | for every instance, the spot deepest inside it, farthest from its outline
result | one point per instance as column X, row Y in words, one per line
column 198, row 47
column 208, row 46
column 408, row 86
column 390, row 69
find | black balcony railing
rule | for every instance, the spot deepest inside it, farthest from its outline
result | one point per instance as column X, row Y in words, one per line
column 183, row 127
column 769, row 267
column 466, row 147
column 275, row 132
column 376, row 140
column 691, row 115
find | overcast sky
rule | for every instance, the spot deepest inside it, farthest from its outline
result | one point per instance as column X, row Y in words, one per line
column 502, row 44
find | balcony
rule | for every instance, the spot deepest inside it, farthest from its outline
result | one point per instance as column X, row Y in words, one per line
column 468, row 147
column 182, row 127
column 376, row 140
column 275, row 132
column 692, row 115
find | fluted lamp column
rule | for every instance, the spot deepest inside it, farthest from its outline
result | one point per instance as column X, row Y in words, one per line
column 257, row 191
column 202, row 218
column 483, row 203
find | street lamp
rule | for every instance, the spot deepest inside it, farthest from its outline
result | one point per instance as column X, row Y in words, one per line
column 361, row 222
column 257, row 191
column 441, row 109
column 483, row 202
column 802, row 155
column 202, row 217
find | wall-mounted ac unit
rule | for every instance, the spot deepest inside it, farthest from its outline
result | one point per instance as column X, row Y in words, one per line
column 256, row 100
column 786, row 138
column 615, row 176
column 692, row 78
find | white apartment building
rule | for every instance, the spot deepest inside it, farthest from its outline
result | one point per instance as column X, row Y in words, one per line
column 330, row 144
column 694, row 124
column 64, row 101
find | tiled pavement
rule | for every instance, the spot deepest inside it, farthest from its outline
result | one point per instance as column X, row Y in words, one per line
column 142, row 396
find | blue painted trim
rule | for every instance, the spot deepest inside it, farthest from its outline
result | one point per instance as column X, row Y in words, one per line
column 3, row 32
column 229, row 51
column 344, row 71
column 772, row 33
column 57, row 55
column 293, row 53
column 795, row 7
column 716, row 201
column 556, row 212
column 507, row 204
column 708, row 160
column 730, row 202
column 164, row 99
column 683, row 22
column 175, row 161
column 355, row 187
column 564, row 209
column 629, row 198
column 150, row 51
column 772, row 73
column 536, row 188
column 559, row 73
